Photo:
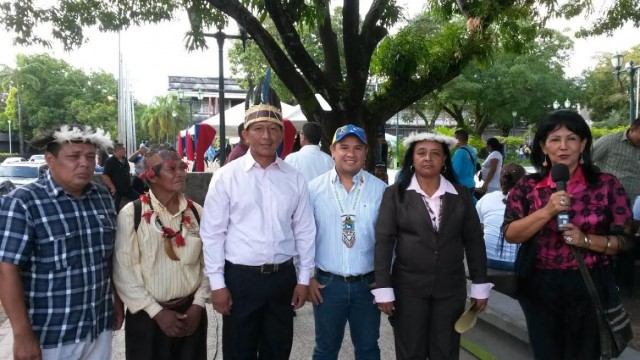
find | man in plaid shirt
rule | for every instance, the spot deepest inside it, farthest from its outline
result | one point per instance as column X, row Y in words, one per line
column 56, row 242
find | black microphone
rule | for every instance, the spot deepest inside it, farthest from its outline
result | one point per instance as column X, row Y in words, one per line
column 560, row 175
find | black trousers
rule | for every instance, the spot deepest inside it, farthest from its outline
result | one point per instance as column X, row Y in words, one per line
column 423, row 327
column 144, row 340
column 561, row 318
column 261, row 322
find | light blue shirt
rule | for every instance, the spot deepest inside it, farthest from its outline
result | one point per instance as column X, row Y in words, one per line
column 332, row 255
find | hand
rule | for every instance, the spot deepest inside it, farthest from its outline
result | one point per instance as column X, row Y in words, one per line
column 558, row 202
column 299, row 297
column 314, row 291
column 481, row 304
column 171, row 322
column 192, row 320
column 484, row 187
column 118, row 313
column 221, row 300
column 573, row 236
column 26, row 347
column 387, row 307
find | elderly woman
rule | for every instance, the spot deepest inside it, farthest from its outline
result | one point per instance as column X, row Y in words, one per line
column 429, row 223
column 560, row 315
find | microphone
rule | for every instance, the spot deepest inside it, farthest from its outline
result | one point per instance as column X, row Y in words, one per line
column 560, row 175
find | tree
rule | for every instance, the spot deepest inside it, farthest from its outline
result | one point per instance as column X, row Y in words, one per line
column 411, row 64
column 21, row 78
column 607, row 95
column 159, row 117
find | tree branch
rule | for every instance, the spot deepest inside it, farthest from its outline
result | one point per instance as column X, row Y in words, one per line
column 329, row 42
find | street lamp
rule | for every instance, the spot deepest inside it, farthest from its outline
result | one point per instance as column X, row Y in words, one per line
column 175, row 125
column 567, row 104
column 220, row 36
column 513, row 123
column 617, row 61
column 10, row 150
column 556, row 105
column 181, row 99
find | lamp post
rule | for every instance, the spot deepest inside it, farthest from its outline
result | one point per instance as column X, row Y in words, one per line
column 567, row 104
column 397, row 142
column 556, row 105
column 617, row 61
column 175, row 125
column 513, row 122
column 10, row 149
column 220, row 36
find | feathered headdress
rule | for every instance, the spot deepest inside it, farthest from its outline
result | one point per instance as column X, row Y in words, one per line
column 443, row 139
column 262, row 104
column 74, row 134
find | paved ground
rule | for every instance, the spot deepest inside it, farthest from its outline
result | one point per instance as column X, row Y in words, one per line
column 302, row 345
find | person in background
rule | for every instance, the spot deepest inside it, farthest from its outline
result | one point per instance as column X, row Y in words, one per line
column 158, row 267
column 310, row 161
column 561, row 317
column 240, row 149
column 380, row 171
column 345, row 203
column 491, row 167
column 382, row 149
column 117, row 176
column 257, row 220
column 490, row 210
column 136, row 158
column 464, row 161
column 55, row 254
column 619, row 155
column 426, row 227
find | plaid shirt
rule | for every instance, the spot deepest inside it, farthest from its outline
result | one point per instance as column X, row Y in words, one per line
column 63, row 247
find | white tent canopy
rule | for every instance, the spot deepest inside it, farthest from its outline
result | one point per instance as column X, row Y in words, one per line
column 234, row 116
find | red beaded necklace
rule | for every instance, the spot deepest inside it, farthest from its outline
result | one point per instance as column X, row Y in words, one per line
column 167, row 232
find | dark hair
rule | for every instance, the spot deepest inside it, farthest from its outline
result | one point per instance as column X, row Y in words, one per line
column 164, row 151
column 462, row 134
column 636, row 123
column 312, row 132
column 404, row 178
column 574, row 123
column 494, row 144
column 117, row 146
column 240, row 128
column 510, row 175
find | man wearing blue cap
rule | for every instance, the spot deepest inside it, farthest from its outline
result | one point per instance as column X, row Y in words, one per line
column 345, row 202
column 257, row 219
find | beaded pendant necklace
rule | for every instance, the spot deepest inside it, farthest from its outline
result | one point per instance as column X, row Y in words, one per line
column 167, row 232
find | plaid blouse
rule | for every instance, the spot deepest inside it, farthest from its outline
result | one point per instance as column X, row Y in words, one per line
column 600, row 210
column 63, row 247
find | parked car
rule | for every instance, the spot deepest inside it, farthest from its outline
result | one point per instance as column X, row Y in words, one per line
column 22, row 173
column 37, row 158
column 13, row 160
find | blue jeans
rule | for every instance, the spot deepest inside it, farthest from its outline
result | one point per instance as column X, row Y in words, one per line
column 346, row 301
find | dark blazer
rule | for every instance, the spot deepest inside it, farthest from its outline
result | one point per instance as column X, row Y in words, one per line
column 426, row 263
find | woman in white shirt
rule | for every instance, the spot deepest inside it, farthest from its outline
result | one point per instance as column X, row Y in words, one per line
column 500, row 255
column 491, row 166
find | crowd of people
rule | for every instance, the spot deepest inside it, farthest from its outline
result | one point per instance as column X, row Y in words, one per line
column 273, row 234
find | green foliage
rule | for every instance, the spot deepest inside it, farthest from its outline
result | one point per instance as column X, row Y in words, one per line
column 597, row 133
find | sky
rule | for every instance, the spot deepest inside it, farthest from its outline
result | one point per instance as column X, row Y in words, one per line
column 151, row 53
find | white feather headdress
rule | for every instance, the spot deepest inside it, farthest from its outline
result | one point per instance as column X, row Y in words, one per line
column 68, row 134
column 443, row 139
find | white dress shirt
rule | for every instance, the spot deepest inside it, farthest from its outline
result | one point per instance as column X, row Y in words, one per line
column 310, row 161
column 255, row 216
column 332, row 255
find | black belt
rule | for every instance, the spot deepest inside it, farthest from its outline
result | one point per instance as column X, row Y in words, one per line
column 351, row 278
column 266, row 268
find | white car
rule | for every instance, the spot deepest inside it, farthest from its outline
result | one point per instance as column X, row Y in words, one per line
column 37, row 158
column 13, row 160
column 22, row 173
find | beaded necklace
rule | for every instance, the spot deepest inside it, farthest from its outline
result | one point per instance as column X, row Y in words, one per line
column 167, row 232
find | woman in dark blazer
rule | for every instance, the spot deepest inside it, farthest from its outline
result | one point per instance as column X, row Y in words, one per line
column 429, row 223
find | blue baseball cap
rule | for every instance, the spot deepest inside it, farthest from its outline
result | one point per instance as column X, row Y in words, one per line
column 347, row 130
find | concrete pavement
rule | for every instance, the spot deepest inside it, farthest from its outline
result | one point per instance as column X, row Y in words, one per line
column 302, row 344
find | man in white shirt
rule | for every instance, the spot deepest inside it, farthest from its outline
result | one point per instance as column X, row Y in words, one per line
column 345, row 203
column 310, row 161
column 257, row 219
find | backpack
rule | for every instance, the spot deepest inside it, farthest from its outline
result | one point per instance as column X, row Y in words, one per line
column 137, row 213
